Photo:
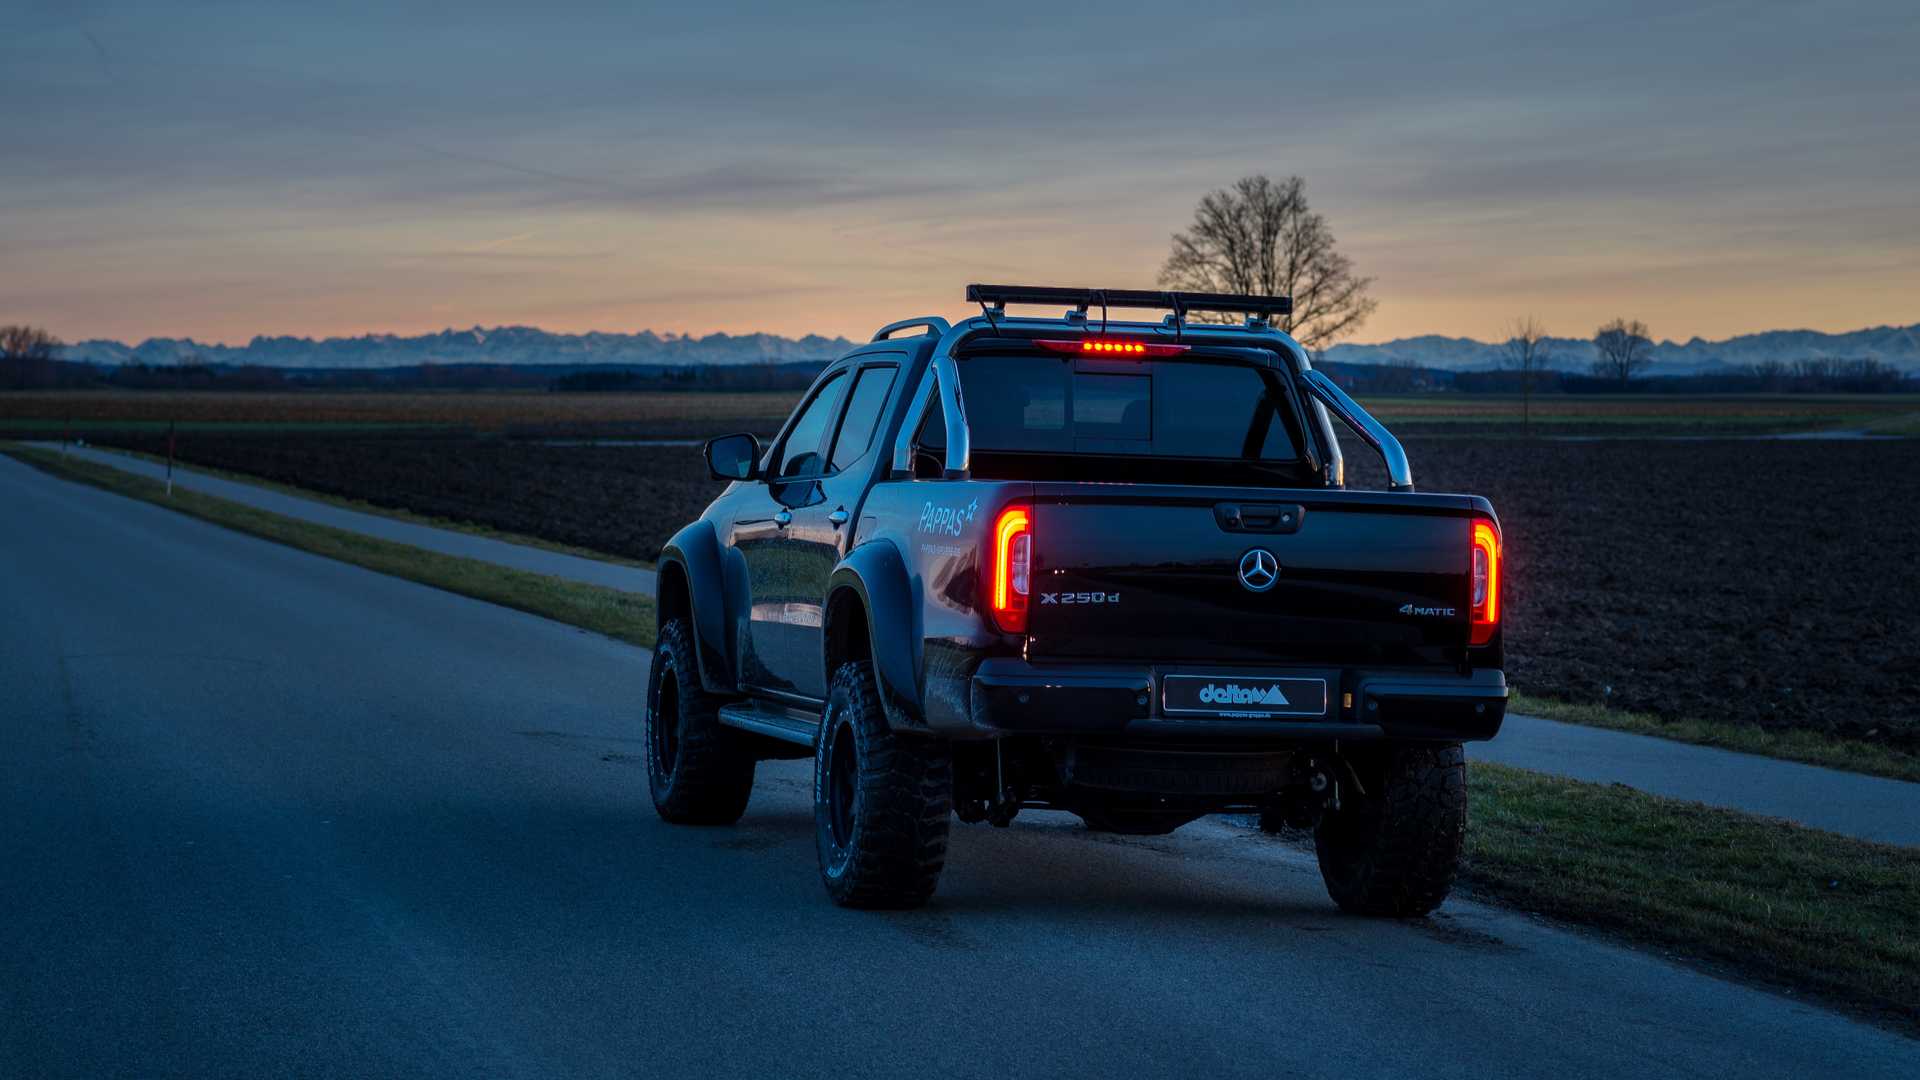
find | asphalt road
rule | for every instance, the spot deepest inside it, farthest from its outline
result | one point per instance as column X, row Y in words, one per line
column 266, row 814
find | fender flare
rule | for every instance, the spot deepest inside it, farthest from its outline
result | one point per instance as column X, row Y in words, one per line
column 876, row 574
column 694, row 553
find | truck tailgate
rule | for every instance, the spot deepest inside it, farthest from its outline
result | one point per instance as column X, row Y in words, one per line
column 1155, row 573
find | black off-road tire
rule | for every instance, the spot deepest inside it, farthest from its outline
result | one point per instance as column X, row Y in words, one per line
column 699, row 770
column 1395, row 852
column 882, row 801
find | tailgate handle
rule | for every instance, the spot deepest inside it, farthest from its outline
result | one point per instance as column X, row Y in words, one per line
column 1259, row 517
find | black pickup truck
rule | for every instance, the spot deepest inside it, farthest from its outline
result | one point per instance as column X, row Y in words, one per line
column 1080, row 564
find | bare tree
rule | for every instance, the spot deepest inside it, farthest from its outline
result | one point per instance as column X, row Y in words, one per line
column 22, row 342
column 26, row 357
column 1624, row 349
column 1527, row 354
column 1260, row 237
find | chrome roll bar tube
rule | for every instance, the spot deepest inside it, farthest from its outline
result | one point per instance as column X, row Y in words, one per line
column 942, row 377
column 1371, row 431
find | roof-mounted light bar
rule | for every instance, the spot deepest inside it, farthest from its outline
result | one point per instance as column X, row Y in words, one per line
column 1001, row 295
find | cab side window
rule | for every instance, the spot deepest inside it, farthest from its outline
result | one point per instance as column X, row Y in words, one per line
column 800, row 455
column 869, row 396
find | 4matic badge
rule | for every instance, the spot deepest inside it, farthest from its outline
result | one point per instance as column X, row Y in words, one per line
column 1443, row 612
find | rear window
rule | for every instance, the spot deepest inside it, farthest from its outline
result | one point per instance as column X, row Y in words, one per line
column 1183, row 408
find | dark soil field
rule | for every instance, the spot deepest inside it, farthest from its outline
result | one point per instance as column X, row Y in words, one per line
column 1765, row 582
column 49, row 414
column 1643, row 414
column 1772, row 583
column 623, row 500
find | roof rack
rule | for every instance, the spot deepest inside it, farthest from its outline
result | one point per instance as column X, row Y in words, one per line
column 1176, row 302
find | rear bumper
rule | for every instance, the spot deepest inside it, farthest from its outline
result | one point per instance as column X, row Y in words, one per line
column 1012, row 697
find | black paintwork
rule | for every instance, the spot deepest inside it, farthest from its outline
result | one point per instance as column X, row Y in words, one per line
column 785, row 578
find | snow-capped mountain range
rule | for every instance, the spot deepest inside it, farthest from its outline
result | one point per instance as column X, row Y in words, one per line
column 499, row 345
column 1898, row 346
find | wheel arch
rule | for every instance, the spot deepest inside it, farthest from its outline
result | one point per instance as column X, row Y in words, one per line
column 690, row 585
column 870, row 614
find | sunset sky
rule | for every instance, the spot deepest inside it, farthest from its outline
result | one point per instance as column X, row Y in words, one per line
column 218, row 170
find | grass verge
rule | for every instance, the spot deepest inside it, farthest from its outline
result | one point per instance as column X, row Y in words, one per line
column 363, row 507
column 622, row 615
column 1772, row 901
column 1810, row 747
column 1907, row 424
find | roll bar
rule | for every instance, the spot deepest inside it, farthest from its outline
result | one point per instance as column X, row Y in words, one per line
column 1371, row 431
column 1335, row 465
column 942, row 377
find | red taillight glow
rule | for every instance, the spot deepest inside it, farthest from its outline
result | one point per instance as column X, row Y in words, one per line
column 1486, row 583
column 1012, row 560
column 1098, row 346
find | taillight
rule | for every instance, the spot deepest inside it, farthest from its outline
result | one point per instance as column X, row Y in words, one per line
column 1104, row 346
column 1486, row 582
column 1011, row 569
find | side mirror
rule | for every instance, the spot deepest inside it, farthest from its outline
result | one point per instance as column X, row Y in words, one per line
column 732, row 457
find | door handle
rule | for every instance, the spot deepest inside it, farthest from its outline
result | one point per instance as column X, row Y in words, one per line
column 838, row 517
column 783, row 519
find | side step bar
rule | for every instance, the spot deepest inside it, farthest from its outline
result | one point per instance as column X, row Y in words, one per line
column 787, row 725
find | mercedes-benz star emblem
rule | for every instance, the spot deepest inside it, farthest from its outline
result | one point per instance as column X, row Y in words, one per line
column 1259, row 570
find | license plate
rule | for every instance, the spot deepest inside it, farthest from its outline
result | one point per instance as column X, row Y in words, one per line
column 1242, row 696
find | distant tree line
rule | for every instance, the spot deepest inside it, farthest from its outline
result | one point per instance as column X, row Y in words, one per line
column 725, row 377
column 1821, row 375
column 27, row 364
column 1855, row 376
column 1817, row 376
